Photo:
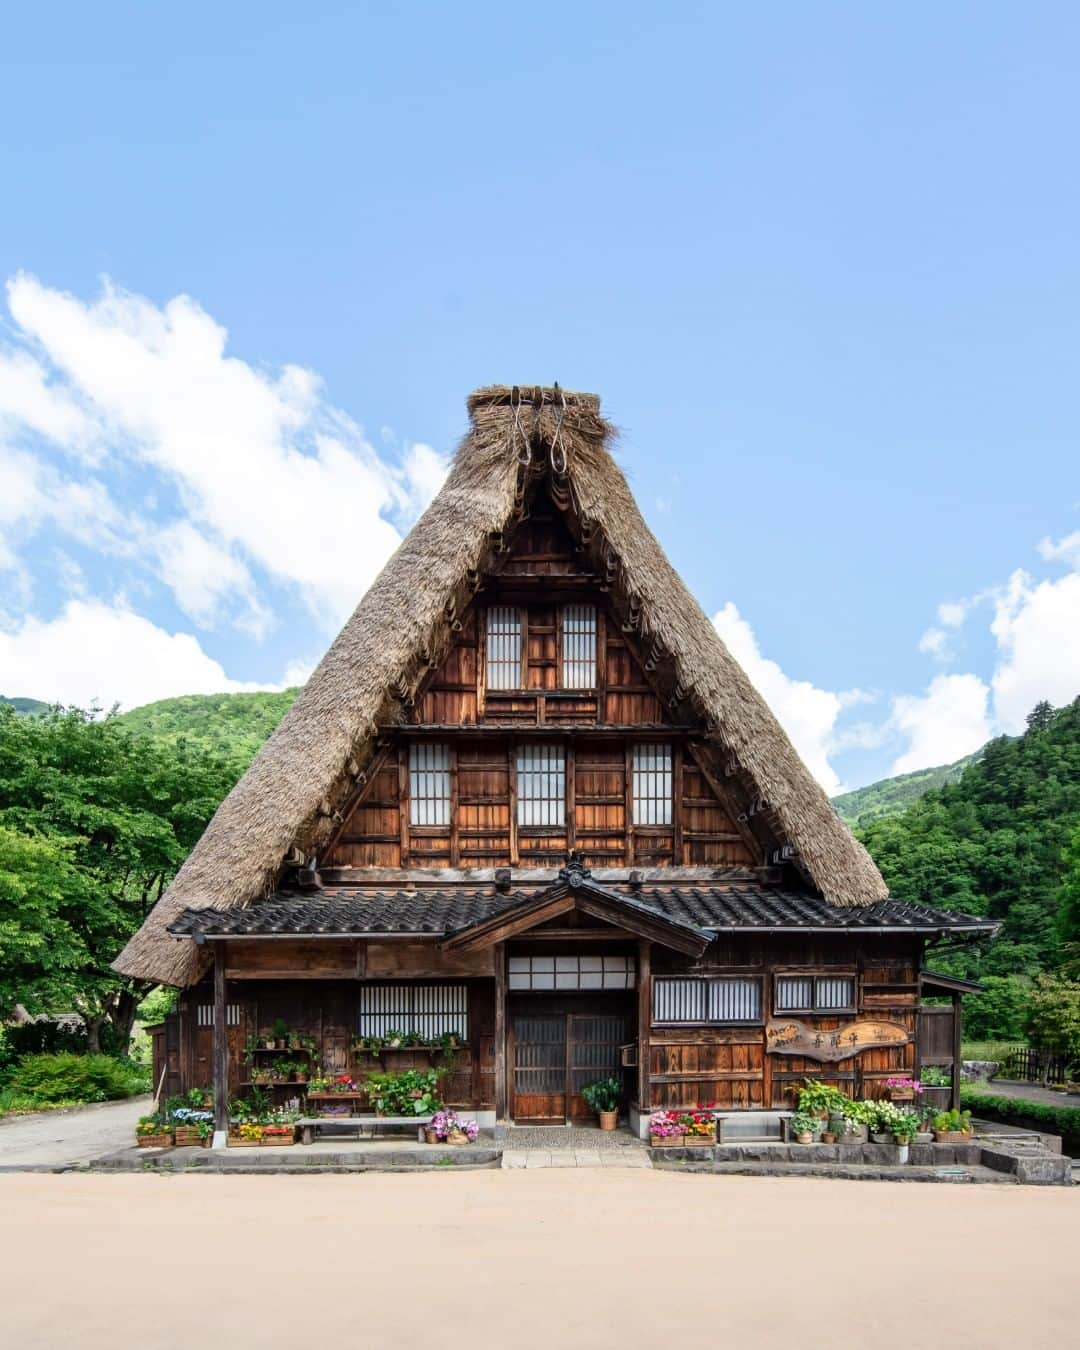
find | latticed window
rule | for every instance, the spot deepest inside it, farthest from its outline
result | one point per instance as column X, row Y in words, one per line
column 814, row 993
column 204, row 1016
column 541, row 785
column 429, row 784
column 503, row 647
column 652, row 784
column 570, row 972
column 579, row 647
column 725, row 999
column 432, row 1009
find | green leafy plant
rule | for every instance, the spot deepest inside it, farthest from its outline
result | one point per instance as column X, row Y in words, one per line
column 816, row 1098
column 859, row 1112
column 77, row 1078
column 281, row 1032
column 802, row 1122
column 933, row 1075
column 603, row 1095
column 412, row 1093
column 953, row 1121
column 1062, row 1120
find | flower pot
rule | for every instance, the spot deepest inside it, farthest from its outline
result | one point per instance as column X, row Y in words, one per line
column 187, row 1136
column 609, row 1120
column 924, row 1136
column 806, row 1137
column 951, row 1137
column 900, row 1095
column 828, row 1137
column 902, row 1139
column 457, row 1137
column 430, row 1137
column 882, row 1138
column 154, row 1140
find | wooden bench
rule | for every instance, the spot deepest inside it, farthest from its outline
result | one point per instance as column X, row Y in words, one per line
column 310, row 1125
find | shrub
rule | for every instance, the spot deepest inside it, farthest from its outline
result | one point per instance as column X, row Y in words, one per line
column 77, row 1078
column 1062, row 1120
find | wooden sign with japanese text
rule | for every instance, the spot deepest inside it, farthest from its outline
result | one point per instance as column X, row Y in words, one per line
column 792, row 1037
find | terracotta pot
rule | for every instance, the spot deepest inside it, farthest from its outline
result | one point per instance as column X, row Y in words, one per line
column 805, row 1138
column 430, row 1137
column 609, row 1120
column 457, row 1137
column 828, row 1137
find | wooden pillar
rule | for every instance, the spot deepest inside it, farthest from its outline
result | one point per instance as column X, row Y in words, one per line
column 644, row 1022
column 957, row 1022
column 221, row 1050
column 500, row 1032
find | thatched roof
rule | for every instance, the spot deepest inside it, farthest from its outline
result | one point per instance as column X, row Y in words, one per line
column 312, row 763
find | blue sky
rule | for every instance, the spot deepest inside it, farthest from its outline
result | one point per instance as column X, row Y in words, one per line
column 820, row 261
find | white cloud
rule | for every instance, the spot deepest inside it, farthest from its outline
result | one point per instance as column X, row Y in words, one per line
column 934, row 642
column 1066, row 550
column 270, row 474
column 94, row 652
column 808, row 714
column 949, row 721
column 1037, row 628
column 952, row 613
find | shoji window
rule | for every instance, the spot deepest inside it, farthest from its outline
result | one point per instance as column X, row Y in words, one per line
column 570, row 972
column 432, row 1009
column 815, row 993
column 204, row 1016
column 579, row 647
column 541, row 785
column 726, row 999
column 503, row 647
column 429, row 784
column 652, row 784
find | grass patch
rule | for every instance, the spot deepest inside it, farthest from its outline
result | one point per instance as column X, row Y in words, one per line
column 995, row 1050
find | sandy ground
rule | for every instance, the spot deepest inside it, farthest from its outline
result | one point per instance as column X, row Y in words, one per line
column 560, row 1259
column 56, row 1137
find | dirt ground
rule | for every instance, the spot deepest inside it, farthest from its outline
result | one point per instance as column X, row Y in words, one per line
column 547, row 1258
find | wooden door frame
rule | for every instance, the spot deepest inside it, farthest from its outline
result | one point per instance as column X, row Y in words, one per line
column 625, row 1009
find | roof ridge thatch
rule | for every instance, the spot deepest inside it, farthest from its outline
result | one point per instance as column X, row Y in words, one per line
column 313, row 759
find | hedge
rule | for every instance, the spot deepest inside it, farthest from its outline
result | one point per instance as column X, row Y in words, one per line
column 1063, row 1120
column 77, row 1078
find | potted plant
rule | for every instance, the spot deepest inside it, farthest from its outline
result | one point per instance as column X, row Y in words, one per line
column 803, row 1125
column 904, row 1126
column 881, row 1125
column 187, row 1126
column 901, row 1088
column 281, row 1034
column 153, row 1132
column 925, row 1112
column 603, row 1097
column 820, row 1099
column 695, row 1126
column 300, row 1073
column 281, row 1070
column 937, row 1086
column 394, row 1039
column 858, row 1116
column 261, row 1074
column 447, row 1127
column 952, row 1127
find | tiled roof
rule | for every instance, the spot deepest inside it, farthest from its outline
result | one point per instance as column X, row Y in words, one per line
column 351, row 910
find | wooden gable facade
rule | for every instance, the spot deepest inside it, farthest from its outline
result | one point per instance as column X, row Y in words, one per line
column 547, row 856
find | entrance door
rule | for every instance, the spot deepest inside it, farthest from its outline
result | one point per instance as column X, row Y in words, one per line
column 555, row 1054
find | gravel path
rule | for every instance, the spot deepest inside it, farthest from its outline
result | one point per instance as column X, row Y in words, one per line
column 58, row 1138
column 574, row 1259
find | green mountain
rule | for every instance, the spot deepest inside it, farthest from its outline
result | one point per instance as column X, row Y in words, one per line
column 232, row 726
column 26, row 707
column 994, row 842
column 889, row 796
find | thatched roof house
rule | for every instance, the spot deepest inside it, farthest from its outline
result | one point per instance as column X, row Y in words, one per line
column 286, row 804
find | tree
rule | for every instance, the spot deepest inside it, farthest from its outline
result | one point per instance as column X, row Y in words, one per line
column 1054, row 1018
column 96, row 821
column 1069, row 913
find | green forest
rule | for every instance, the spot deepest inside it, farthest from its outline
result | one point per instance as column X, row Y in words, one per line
column 97, row 813
column 1004, row 841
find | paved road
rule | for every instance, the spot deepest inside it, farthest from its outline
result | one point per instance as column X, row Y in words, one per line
column 54, row 1138
column 575, row 1259
column 1029, row 1092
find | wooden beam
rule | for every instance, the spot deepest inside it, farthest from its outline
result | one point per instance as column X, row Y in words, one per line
column 403, row 802
column 628, row 803
column 571, row 807
column 511, row 781
column 724, row 797
column 455, row 837
column 644, row 1023
column 221, row 1050
column 677, row 804
column 500, row 1033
